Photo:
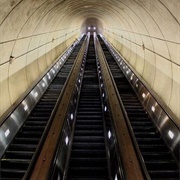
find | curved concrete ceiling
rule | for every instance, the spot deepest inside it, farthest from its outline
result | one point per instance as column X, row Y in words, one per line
column 35, row 32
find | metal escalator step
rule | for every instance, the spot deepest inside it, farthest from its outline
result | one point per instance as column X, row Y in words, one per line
column 86, row 178
column 78, row 153
column 38, row 118
column 137, row 114
column 157, row 164
column 29, row 134
column 89, row 132
column 88, row 162
column 11, row 174
column 87, row 127
column 88, row 146
column 90, row 122
column 88, row 138
column 154, row 155
column 34, row 128
column 90, row 108
column 88, row 172
column 22, row 147
column 150, row 141
column 146, row 134
column 87, row 113
column 164, row 174
column 19, row 154
column 141, row 123
column 155, row 147
column 14, row 164
column 28, row 140
column 144, row 129
column 38, row 123
column 83, row 116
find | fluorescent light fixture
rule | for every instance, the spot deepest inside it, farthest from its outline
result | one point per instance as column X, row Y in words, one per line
column 26, row 107
column 171, row 134
column 43, row 84
column 7, row 133
column 109, row 134
column 36, row 94
column 72, row 116
column 143, row 95
column 66, row 140
column 105, row 108
column 153, row 108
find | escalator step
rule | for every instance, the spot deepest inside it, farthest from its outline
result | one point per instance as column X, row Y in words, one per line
column 87, row 162
column 88, row 146
column 90, row 172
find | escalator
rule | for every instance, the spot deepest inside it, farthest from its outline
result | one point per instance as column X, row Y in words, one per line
column 22, row 151
column 88, row 158
column 158, row 159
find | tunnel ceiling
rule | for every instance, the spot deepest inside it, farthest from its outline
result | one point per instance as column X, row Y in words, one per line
column 145, row 32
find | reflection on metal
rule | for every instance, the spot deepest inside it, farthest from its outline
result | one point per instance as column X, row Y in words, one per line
column 13, row 122
column 7, row 133
column 167, row 126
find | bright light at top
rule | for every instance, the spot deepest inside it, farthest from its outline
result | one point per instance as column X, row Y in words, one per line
column 94, row 28
column 89, row 28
